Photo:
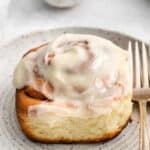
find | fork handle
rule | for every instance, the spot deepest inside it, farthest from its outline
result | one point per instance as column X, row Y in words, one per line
column 144, row 143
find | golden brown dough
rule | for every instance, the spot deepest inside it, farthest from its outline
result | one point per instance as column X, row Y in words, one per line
column 53, row 128
column 31, row 130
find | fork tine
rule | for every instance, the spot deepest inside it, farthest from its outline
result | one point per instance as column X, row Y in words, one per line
column 140, row 67
column 145, row 66
column 130, row 55
column 137, row 66
column 146, row 76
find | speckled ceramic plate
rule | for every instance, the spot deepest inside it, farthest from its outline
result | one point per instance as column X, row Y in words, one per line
column 11, row 137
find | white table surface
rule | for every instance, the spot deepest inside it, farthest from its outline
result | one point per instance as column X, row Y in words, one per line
column 18, row 17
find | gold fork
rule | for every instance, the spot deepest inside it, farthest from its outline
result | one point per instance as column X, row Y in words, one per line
column 138, row 59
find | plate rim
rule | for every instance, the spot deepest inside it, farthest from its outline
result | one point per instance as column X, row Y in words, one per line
column 30, row 33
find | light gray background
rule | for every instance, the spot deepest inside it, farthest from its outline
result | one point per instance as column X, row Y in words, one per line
column 22, row 16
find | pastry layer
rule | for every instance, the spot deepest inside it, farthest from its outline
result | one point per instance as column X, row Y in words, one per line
column 54, row 128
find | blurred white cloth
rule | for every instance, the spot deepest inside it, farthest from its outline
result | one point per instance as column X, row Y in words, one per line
column 22, row 16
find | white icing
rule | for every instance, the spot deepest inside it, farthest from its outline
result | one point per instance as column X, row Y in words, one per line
column 73, row 79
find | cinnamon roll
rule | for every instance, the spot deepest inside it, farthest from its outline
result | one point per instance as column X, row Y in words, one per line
column 75, row 88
